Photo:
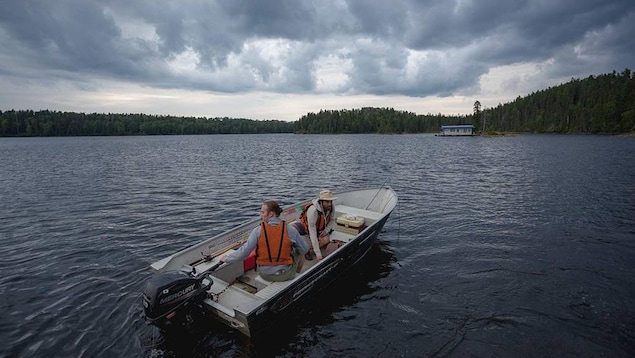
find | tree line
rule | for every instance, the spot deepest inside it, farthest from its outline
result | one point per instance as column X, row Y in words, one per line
column 53, row 123
column 373, row 120
column 597, row 104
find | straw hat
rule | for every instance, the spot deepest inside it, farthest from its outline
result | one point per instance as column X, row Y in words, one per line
column 326, row 195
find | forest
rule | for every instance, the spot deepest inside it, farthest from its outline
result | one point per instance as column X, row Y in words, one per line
column 597, row 104
column 53, row 123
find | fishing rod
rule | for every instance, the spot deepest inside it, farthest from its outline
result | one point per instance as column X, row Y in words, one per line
column 377, row 193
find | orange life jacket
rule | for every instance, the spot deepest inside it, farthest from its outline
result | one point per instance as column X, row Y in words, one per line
column 274, row 245
column 321, row 222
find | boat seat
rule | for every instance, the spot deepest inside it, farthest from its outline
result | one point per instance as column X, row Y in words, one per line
column 261, row 282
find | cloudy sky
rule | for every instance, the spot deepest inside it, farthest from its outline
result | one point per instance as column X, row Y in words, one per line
column 279, row 59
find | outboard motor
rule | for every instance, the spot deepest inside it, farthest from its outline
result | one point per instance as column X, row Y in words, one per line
column 170, row 297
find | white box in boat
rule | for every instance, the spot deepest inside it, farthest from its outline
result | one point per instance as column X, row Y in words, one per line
column 349, row 230
column 350, row 221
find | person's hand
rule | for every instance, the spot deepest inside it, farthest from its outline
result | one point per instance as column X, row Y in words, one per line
column 222, row 258
column 324, row 240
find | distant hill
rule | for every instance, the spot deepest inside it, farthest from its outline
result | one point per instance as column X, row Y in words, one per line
column 597, row 104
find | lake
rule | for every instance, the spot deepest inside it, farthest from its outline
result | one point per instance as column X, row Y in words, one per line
column 511, row 246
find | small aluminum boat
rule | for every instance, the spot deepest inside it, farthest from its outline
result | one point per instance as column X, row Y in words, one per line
column 193, row 282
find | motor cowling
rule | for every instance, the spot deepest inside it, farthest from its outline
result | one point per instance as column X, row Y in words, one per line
column 167, row 293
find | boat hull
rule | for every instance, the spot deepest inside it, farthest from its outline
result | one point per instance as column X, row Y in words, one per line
column 342, row 260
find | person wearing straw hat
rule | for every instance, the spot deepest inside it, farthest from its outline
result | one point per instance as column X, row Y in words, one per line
column 315, row 220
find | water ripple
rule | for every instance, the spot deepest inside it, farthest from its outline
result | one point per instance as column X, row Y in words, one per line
column 515, row 246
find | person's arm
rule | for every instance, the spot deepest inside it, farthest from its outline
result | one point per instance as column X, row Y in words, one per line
column 330, row 227
column 242, row 252
column 312, row 217
column 300, row 244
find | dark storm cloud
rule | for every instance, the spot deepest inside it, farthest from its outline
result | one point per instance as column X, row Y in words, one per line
column 74, row 37
column 415, row 48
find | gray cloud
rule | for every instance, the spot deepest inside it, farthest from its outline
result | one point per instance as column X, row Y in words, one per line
column 412, row 48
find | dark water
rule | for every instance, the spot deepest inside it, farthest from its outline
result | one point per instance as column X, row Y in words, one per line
column 517, row 246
